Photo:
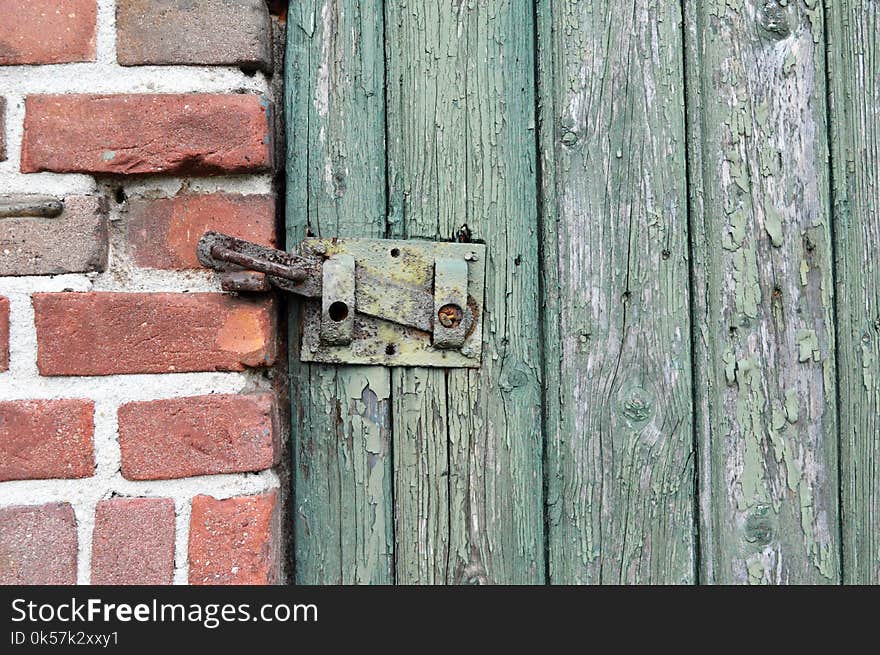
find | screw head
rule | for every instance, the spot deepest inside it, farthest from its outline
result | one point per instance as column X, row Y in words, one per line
column 449, row 316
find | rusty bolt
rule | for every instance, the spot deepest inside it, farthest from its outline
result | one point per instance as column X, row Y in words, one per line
column 449, row 316
column 313, row 248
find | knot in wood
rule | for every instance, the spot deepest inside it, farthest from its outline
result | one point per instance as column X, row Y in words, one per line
column 759, row 526
column 569, row 138
column 515, row 378
column 636, row 404
column 773, row 20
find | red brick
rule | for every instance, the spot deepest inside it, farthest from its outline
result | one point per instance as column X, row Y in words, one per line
column 107, row 333
column 164, row 232
column 44, row 439
column 73, row 242
column 133, row 541
column 182, row 437
column 146, row 133
column 38, row 545
column 4, row 334
column 47, row 31
column 233, row 33
column 235, row 541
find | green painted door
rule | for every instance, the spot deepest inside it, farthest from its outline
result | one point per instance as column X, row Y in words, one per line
column 681, row 371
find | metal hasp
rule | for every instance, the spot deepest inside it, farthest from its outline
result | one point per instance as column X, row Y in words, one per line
column 369, row 301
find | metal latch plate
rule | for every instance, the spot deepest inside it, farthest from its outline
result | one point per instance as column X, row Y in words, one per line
column 395, row 280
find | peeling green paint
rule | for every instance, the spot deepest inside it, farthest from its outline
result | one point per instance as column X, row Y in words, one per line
column 620, row 464
column 729, row 359
column 757, row 571
column 792, row 406
column 343, row 513
column 773, row 223
column 762, row 292
column 854, row 67
column 461, row 499
column 737, row 231
column 745, row 275
column 749, row 413
column 808, row 345
column 869, row 366
column 461, row 151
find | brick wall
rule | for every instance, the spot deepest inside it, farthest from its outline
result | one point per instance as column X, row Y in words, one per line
column 141, row 426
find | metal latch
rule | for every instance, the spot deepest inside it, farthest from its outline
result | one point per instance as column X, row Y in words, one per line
column 369, row 301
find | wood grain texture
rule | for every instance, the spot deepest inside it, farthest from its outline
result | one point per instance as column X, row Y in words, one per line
column 461, row 150
column 620, row 463
column 336, row 187
column 854, row 72
column 763, row 315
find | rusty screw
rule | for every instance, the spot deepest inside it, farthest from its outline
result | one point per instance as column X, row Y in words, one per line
column 449, row 316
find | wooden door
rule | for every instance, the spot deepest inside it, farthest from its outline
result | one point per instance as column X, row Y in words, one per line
column 680, row 363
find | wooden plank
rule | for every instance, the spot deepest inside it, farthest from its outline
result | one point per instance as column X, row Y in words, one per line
column 854, row 68
column 620, row 460
column 336, row 187
column 764, row 331
column 461, row 150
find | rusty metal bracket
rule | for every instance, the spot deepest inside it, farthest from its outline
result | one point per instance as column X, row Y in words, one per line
column 338, row 301
column 451, row 318
column 368, row 301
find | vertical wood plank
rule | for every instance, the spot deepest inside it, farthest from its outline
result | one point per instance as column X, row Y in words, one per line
column 620, row 460
column 764, row 332
column 421, row 476
column 461, row 151
column 854, row 67
column 336, row 187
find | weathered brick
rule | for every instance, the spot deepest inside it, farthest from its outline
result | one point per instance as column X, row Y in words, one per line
column 47, row 31
column 4, row 334
column 235, row 541
column 38, row 544
column 133, row 541
column 146, row 133
column 233, row 32
column 164, row 232
column 202, row 435
column 106, row 333
column 74, row 242
column 2, row 128
column 43, row 439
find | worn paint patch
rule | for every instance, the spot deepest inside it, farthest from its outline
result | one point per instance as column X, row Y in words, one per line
column 869, row 365
column 749, row 415
column 808, row 345
column 343, row 527
column 792, row 406
column 773, row 223
column 760, row 197
column 745, row 275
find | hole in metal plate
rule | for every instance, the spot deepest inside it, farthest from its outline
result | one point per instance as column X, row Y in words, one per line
column 338, row 311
